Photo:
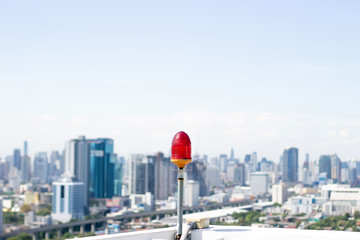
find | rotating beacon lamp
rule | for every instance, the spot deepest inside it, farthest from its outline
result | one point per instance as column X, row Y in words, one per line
column 181, row 156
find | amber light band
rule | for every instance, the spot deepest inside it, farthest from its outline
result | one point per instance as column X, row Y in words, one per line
column 181, row 163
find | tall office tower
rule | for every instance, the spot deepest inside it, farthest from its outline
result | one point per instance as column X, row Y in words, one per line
column 14, row 179
column 118, row 176
column 232, row 158
column 67, row 200
column 307, row 177
column 191, row 193
column 335, row 168
column 247, row 158
column 236, row 173
column 345, row 172
column 212, row 176
column 54, row 171
column 223, row 162
column 239, row 174
column 25, row 148
column 40, row 167
column 163, row 186
column 4, row 169
column 290, row 165
column 93, row 163
column 197, row 172
column 62, row 162
column 17, row 159
column 77, row 162
column 25, row 169
column 141, row 174
column 325, row 165
column 306, row 162
column 259, row 183
column 254, row 163
column 102, row 168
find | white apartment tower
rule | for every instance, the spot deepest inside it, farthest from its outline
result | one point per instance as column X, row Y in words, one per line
column 68, row 199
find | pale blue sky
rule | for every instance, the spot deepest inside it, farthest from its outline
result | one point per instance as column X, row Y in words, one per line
column 253, row 75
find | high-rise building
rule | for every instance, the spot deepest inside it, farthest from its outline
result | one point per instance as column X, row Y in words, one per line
column 279, row 193
column 25, row 169
column 236, row 173
column 102, row 168
column 306, row 162
column 54, row 171
column 247, row 158
column 259, row 183
column 335, row 168
column 40, row 167
column 290, row 164
column 325, row 165
column 163, row 169
column 197, row 171
column 93, row 162
column 212, row 176
column 25, row 148
column 67, row 200
column 17, row 159
column 141, row 174
column 14, row 179
column 191, row 193
column 118, row 176
column 77, row 161
column 223, row 162
column 254, row 164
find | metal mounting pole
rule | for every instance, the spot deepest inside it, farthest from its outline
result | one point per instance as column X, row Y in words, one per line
column 180, row 202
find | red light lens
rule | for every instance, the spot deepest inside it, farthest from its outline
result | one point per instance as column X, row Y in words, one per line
column 181, row 146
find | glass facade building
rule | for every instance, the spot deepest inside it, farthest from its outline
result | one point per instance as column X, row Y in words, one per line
column 290, row 163
column 105, row 178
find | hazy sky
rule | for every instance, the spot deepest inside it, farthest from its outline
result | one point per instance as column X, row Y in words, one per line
column 252, row 75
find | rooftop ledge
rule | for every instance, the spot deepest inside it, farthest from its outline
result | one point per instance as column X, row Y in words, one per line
column 215, row 232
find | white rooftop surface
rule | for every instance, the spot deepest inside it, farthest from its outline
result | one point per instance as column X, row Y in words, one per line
column 232, row 233
column 214, row 213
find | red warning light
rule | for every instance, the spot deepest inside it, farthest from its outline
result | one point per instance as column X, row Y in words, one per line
column 181, row 149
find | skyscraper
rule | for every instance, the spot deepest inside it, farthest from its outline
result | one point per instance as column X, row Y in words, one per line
column 197, row 172
column 25, row 148
column 17, row 159
column 325, row 165
column 93, row 162
column 25, row 169
column 102, row 168
column 335, row 168
column 54, row 171
column 254, row 162
column 67, row 200
column 163, row 184
column 41, row 167
column 77, row 161
column 290, row 165
column 118, row 176
column 141, row 174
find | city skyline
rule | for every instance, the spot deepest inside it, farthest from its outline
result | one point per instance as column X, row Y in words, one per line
column 253, row 76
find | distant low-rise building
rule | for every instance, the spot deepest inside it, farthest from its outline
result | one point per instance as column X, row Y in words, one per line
column 306, row 204
column 343, row 200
